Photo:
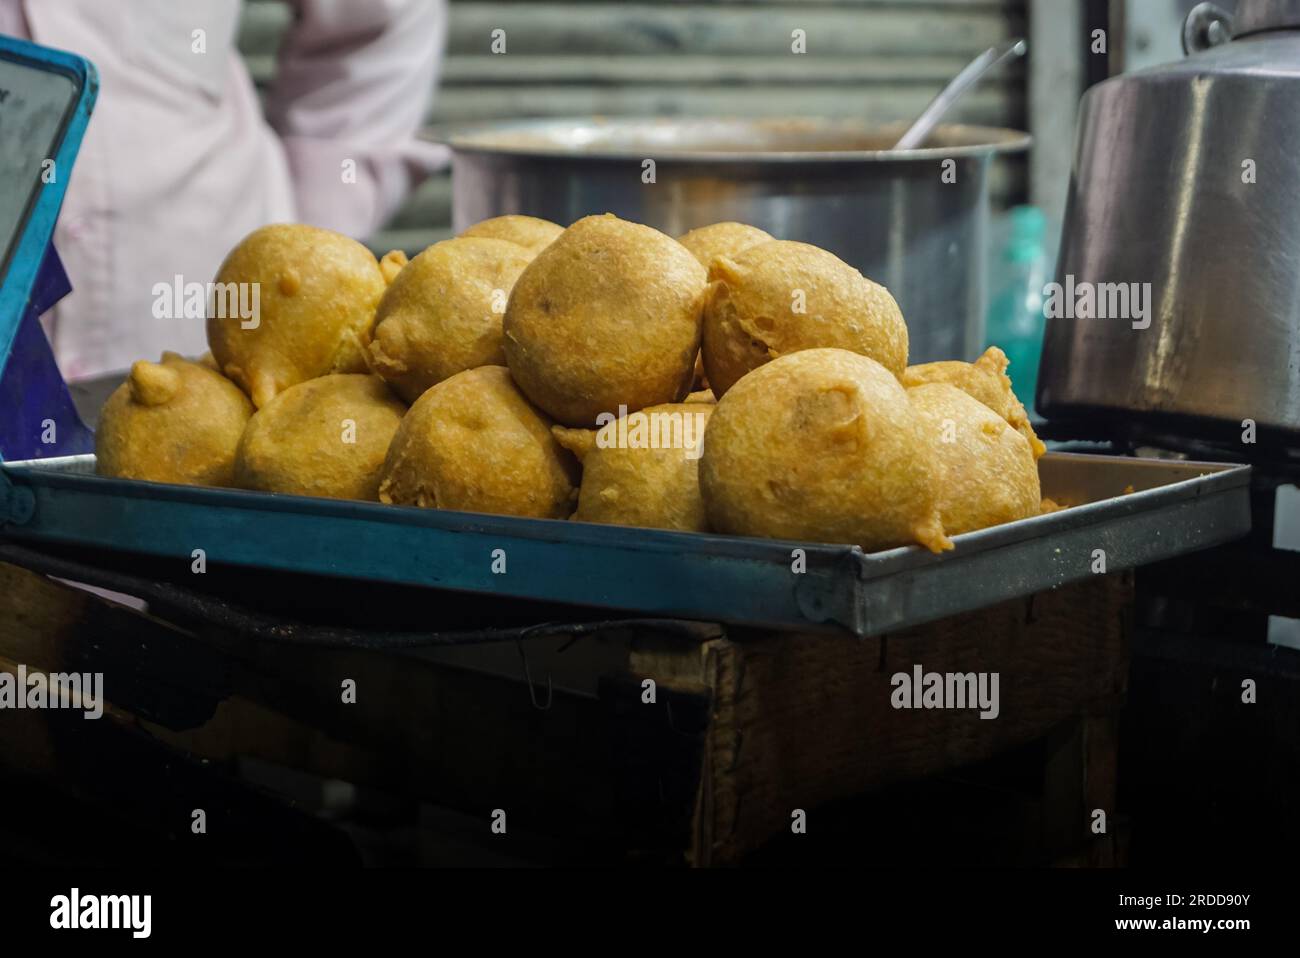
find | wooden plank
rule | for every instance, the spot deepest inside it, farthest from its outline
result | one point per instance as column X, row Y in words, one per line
column 467, row 739
column 801, row 721
column 126, row 796
column 150, row 668
column 796, row 721
column 1101, row 786
column 1065, row 810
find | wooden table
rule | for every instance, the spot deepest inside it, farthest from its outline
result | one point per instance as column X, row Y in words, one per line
column 745, row 729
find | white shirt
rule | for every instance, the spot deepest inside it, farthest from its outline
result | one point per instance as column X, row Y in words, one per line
column 178, row 162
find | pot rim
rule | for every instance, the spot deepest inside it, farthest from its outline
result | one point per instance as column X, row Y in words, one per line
column 545, row 139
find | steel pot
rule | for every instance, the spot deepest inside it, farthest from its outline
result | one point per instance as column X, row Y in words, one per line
column 835, row 184
column 1187, row 178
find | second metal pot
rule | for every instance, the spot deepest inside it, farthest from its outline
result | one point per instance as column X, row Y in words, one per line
column 1186, row 189
column 914, row 220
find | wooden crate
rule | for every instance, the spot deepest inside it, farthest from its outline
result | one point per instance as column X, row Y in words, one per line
column 799, row 721
column 744, row 728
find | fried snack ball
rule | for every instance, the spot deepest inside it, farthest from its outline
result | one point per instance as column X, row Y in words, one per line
column 821, row 445
column 987, row 472
column 474, row 443
column 442, row 313
column 642, row 469
column 607, row 316
column 531, row 233
column 317, row 293
column 392, row 263
column 706, row 244
column 172, row 421
column 780, row 297
column 986, row 379
column 325, row 437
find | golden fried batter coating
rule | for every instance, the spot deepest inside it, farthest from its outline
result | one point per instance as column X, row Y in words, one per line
column 392, row 263
column 606, row 316
column 987, row 472
column 821, row 445
column 317, row 292
column 442, row 313
column 986, row 379
column 780, row 297
column 531, row 233
column 706, row 244
column 172, row 421
column 474, row 443
column 642, row 469
column 325, row 437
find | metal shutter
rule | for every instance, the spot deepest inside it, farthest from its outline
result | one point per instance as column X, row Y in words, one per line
column 880, row 59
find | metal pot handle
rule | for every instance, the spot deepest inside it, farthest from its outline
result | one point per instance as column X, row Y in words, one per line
column 1207, row 25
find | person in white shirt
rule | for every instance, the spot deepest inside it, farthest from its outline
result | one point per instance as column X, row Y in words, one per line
column 180, row 160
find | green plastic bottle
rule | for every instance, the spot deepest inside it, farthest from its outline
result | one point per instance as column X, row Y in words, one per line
column 1015, row 317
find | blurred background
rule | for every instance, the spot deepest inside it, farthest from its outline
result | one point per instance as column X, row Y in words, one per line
column 362, row 88
column 879, row 59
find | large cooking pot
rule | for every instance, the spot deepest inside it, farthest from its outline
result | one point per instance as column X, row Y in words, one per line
column 836, row 184
column 1187, row 178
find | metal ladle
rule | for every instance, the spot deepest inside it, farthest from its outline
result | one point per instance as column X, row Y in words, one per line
column 968, row 77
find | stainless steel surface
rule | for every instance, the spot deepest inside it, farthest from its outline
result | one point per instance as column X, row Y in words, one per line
column 839, row 185
column 1173, row 508
column 1206, row 25
column 1187, row 177
column 970, row 74
column 1256, row 16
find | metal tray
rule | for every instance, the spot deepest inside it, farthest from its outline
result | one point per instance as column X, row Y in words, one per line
column 1172, row 508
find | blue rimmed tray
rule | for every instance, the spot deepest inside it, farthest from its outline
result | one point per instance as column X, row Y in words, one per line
column 1173, row 508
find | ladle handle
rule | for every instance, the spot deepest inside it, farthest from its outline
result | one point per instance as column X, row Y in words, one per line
column 973, row 71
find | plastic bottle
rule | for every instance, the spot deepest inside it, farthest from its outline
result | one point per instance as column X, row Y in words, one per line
column 1015, row 318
